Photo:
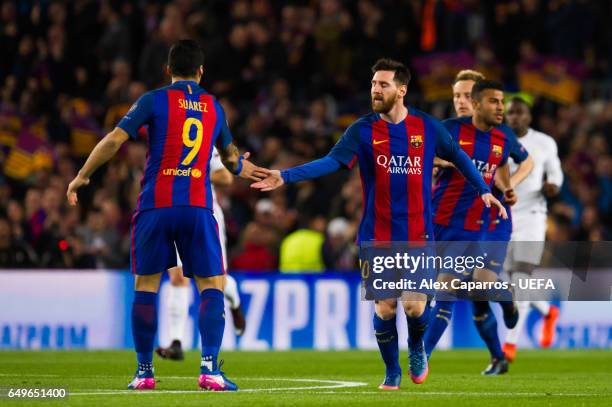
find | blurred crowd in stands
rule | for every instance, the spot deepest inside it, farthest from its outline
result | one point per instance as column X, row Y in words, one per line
column 291, row 75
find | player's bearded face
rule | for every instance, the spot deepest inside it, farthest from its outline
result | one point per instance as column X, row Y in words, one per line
column 383, row 103
column 491, row 107
column 385, row 92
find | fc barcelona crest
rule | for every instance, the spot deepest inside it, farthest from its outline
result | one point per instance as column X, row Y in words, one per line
column 497, row 150
column 416, row 141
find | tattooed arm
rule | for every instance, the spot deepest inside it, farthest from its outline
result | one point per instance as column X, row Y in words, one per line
column 239, row 165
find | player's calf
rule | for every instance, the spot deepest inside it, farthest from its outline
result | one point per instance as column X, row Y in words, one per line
column 144, row 327
column 486, row 324
column 417, row 324
column 385, row 330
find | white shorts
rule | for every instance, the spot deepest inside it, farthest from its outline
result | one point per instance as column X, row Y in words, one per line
column 528, row 236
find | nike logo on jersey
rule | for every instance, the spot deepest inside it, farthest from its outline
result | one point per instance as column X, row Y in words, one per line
column 376, row 142
column 464, row 143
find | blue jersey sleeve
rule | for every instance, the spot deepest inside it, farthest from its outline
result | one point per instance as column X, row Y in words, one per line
column 225, row 136
column 311, row 170
column 139, row 114
column 448, row 149
column 346, row 148
column 343, row 153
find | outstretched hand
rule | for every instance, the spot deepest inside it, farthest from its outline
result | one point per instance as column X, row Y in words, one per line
column 489, row 200
column 75, row 184
column 270, row 183
column 251, row 171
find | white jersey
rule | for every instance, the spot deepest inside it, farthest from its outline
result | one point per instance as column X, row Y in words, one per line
column 543, row 149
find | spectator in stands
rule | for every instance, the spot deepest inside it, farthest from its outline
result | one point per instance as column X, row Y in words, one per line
column 13, row 253
column 259, row 240
column 339, row 250
column 302, row 251
column 287, row 78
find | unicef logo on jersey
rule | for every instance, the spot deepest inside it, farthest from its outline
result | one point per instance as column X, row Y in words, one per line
column 177, row 172
column 400, row 164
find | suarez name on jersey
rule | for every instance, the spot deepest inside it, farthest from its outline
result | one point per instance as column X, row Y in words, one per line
column 184, row 123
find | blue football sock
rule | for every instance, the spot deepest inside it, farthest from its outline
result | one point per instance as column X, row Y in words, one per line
column 144, row 327
column 386, row 337
column 439, row 319
column 211, row 322
column 417, row 326
column 504, row 298
column 500, row 295
column 507, row 306
column 486, row 323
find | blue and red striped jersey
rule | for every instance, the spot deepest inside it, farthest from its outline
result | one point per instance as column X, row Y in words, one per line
column 396, row 162
column 456, row 203
column 502, row 228
column 184, row 123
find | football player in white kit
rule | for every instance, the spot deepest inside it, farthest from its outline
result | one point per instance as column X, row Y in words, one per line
column 178, row 296
column 529, row 219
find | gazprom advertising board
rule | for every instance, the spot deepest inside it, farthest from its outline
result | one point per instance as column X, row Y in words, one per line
column 91, row 310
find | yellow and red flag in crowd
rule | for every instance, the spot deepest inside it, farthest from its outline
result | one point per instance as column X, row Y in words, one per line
column 85, row 132
column 10, row 126
column 30, row 153
column 436, row 72
column 552, row 77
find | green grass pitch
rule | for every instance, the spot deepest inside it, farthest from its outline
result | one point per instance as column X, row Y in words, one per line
column 548, row 378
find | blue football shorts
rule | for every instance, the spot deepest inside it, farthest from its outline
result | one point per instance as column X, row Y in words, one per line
column 157, row 234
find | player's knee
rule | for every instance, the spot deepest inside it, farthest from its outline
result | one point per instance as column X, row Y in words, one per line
column 446, row 280
column 485, row 275
column 149, row 283
column 414, row 309
column 386, row 309
column 215, row 282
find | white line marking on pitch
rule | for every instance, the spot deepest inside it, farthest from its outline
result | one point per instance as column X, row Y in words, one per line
column 328, row 384
column 467, row 393
column 292, row 389
column 27, row 375
column 332, row 384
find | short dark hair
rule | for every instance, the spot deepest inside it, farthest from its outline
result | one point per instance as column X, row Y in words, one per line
column 185, row 58
column 402, row 73
column 484, row 84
